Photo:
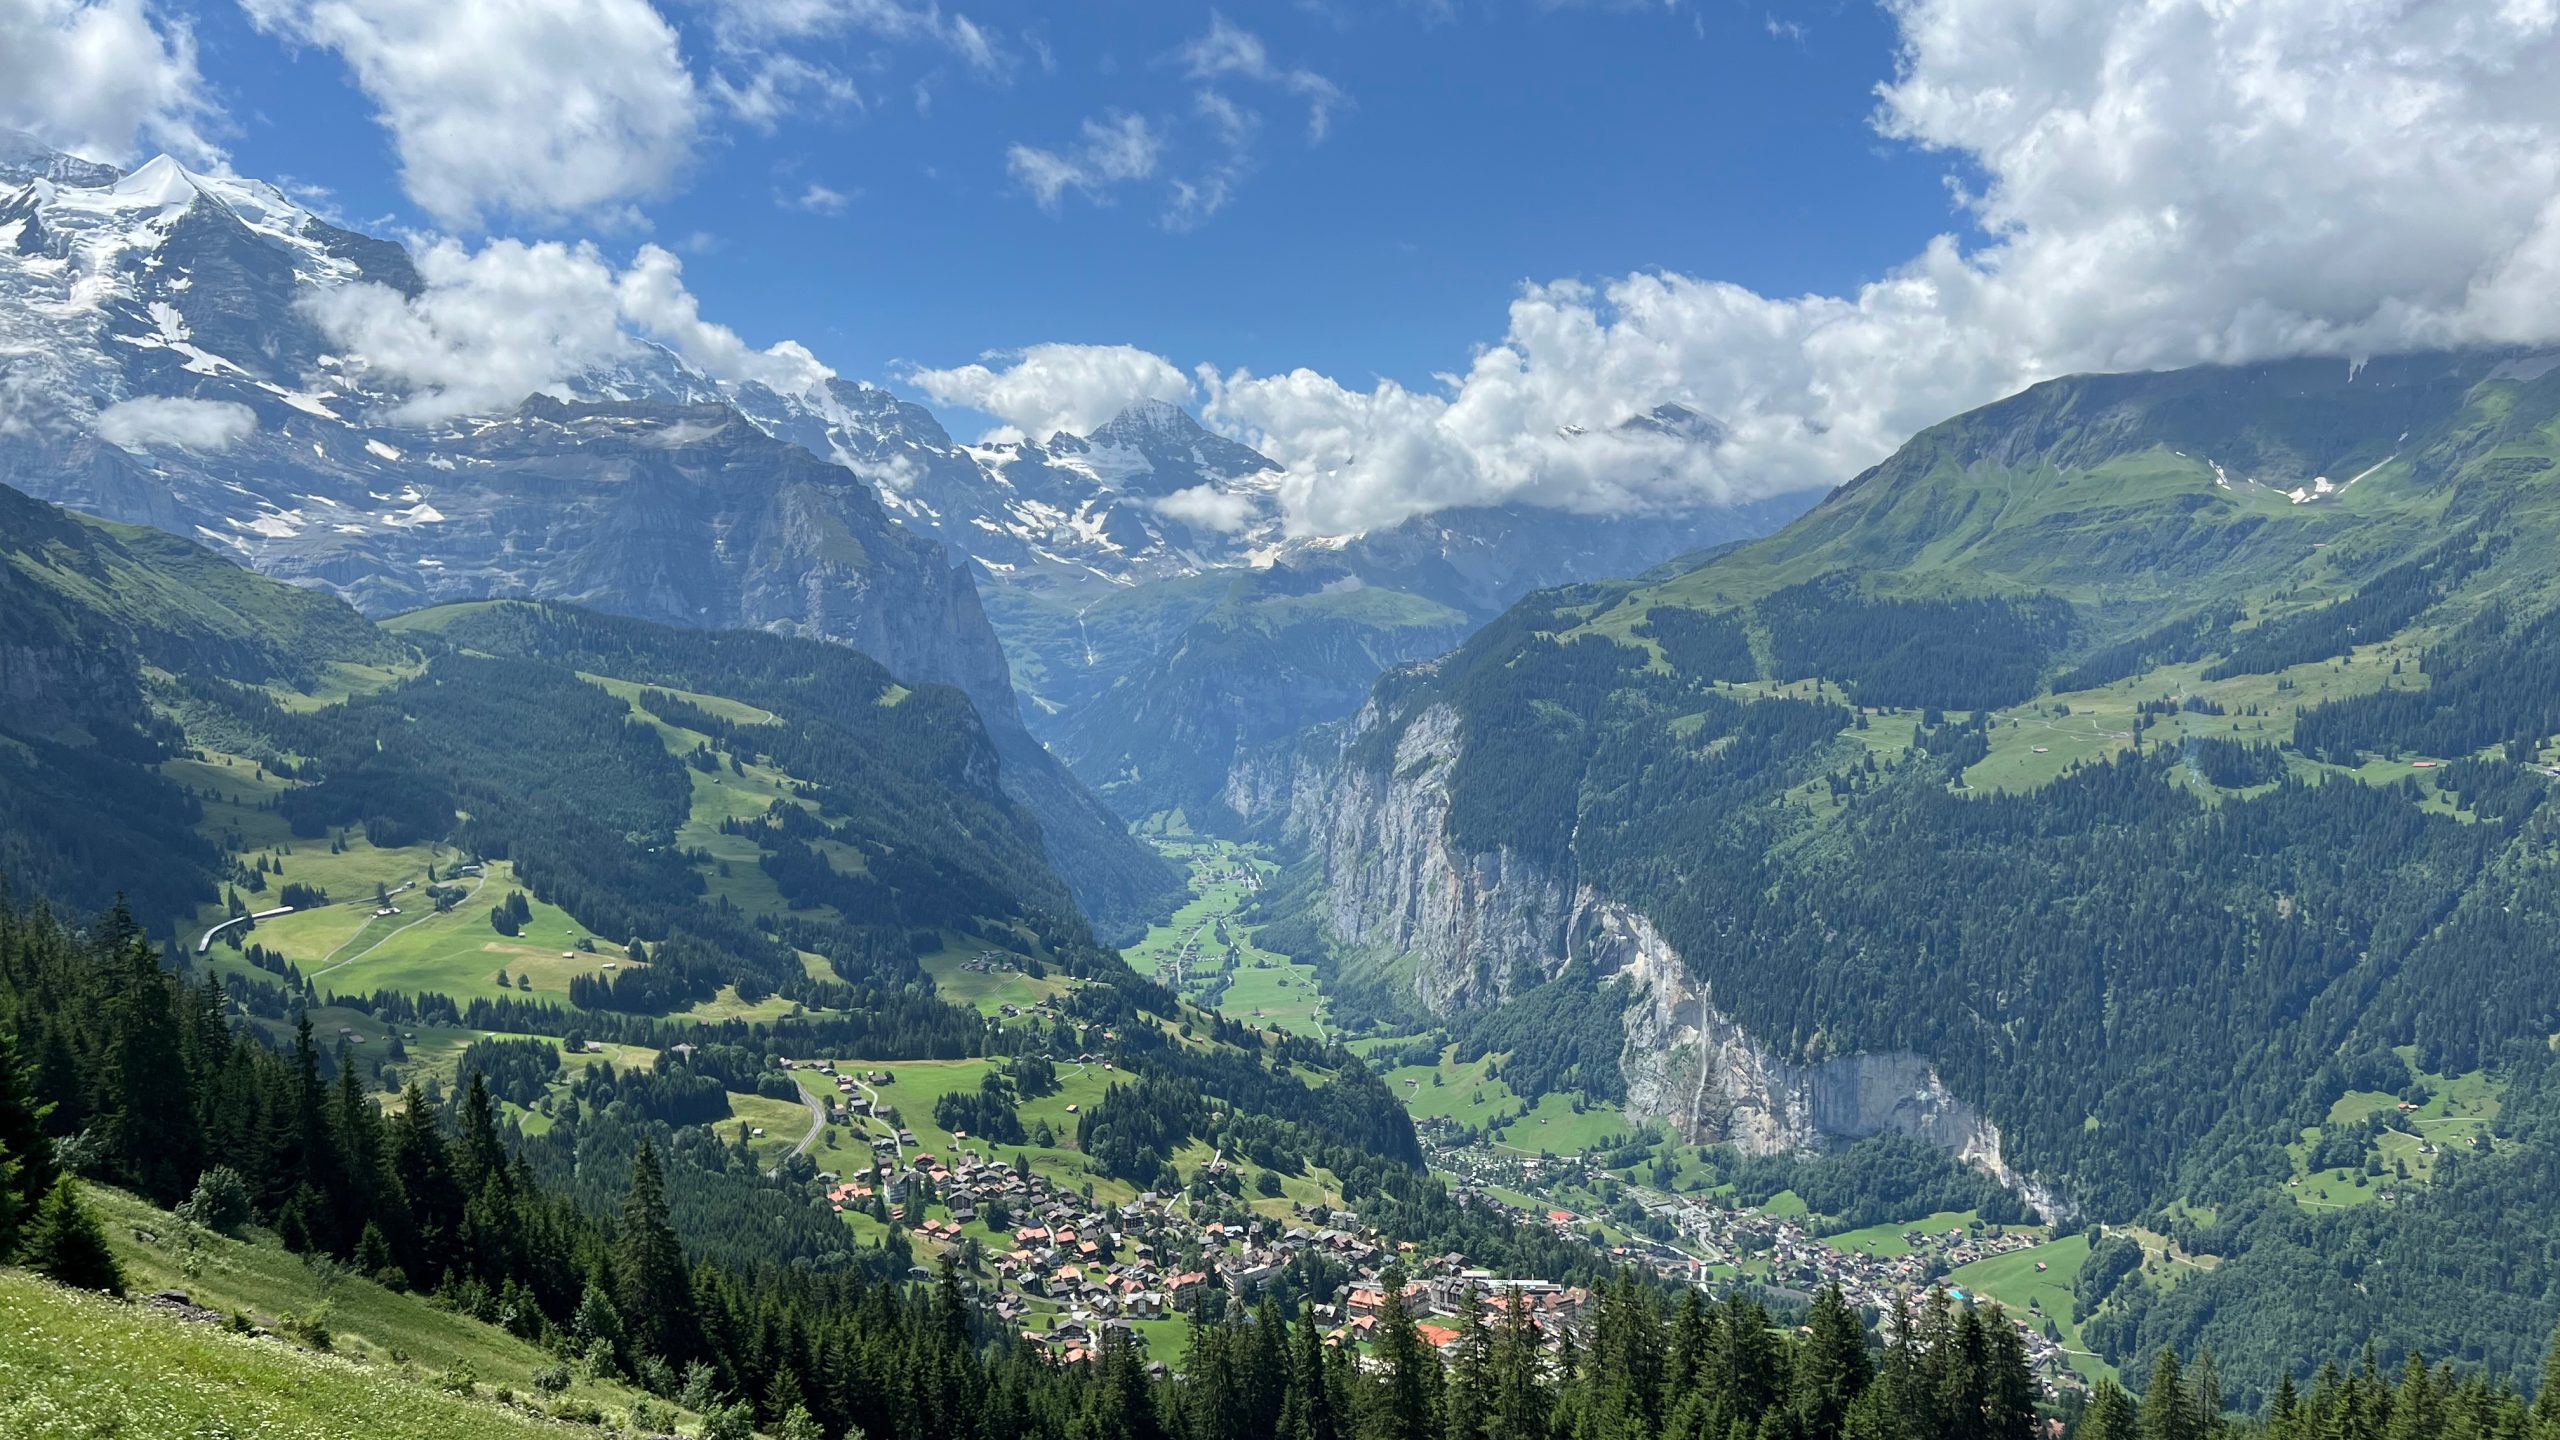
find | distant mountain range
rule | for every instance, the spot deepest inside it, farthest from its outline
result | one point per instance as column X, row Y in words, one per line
column 164, row 365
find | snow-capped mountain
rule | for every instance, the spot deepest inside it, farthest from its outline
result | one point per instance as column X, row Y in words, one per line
column 161, row 363
column 163, row 360
column 1149, row 495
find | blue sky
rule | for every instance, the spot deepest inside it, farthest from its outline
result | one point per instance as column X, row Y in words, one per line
column 1473, row 149
column 1420, row 252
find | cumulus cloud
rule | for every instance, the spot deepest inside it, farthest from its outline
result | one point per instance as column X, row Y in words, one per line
column 515, row 319
column 108, row 79
column 555, row 111
column 1113, row 150
column 1048, row 388
column 174, row 421
column 1209, row 508
column 2161, row 184
column 651, row 295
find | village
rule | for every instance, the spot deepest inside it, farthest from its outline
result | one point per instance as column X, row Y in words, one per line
column 1695, row 1240
column 1062, row 1268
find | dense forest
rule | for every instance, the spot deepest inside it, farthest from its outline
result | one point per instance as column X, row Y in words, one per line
column 2152, row 972
column 1965, row 654
column 136, row 1076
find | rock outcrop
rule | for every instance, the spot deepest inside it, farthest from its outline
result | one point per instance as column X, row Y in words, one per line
column 1471, row 926
column 1696, row 1069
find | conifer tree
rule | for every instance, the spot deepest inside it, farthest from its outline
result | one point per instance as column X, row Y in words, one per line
column 1406, row 1402
column 2109, row 1414
column 1520, row 1405
column 2167, row 1413
column 67, row 1246
column 22, row 1137
column 1832, row 1368
column 657, row 1301
column 151, row 1128
column 1468, row 1394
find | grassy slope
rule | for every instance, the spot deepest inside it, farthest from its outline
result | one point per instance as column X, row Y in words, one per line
column 81, row 1365
column 77, row 1365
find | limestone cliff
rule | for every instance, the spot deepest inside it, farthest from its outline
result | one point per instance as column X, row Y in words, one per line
column 1396, row 889
column 1465, row 925
column 1693, row 1067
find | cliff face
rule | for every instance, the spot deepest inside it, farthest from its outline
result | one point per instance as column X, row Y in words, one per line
column 1395, row 887
column 1695, row 1068
column 1466, row 924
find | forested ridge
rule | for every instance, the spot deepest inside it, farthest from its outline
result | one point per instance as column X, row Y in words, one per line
column 2097, row 749
column 157, row 1090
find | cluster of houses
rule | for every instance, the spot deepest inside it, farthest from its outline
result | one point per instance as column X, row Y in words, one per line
column 1708, row 1237
column 1085, row 1267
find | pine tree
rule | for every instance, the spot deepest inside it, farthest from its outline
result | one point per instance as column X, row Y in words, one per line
column 150, row 1103
column 2009, row 1390
column 1470, row 1381
column 2109, row 1414
column 657, row 1301
column 10, row 1215
column 1520, row 1405
column 2167, row 1413
column 1832, row 1368
column 2546, row 1394
column 1406, row 1404
column 67, row 1245
column 1308, row 1413
column 2205, row 1397
column 22, row 1137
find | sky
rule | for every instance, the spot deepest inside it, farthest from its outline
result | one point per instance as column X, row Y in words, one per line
column 1422, row 252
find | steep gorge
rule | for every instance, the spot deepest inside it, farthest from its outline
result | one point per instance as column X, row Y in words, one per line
column 1399, row 894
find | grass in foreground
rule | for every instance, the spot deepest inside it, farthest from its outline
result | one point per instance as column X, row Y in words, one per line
column 80, row 1365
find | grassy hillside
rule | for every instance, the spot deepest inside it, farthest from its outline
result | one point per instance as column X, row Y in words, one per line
column 339, row 1356
column 2165, row 757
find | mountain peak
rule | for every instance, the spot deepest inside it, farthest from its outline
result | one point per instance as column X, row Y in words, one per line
column 23, row 157
column 1147, row 417
column 159, row 180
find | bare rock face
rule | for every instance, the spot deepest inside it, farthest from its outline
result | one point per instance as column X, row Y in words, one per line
column 1696, row 1069
column 1466, row 924
column 1395, row 885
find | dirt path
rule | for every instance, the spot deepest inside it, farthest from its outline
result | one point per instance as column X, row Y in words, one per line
column 476, row 882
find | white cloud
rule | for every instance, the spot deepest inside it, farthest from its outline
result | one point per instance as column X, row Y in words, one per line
column 1113, row 150
column 1049, row 388
column 774, row 87
column 492, row 327
column 1209, row 508
column 170, row 420
column 514, row 319
column 1229, row 50
column 2164, row 184
column 108, row 79
column 757, row 26
column 554, row 111
column 652, row 296
column 820, row 199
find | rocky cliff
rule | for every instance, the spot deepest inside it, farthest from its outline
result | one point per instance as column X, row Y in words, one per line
column 1693, row 1067
column 1470, row 926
